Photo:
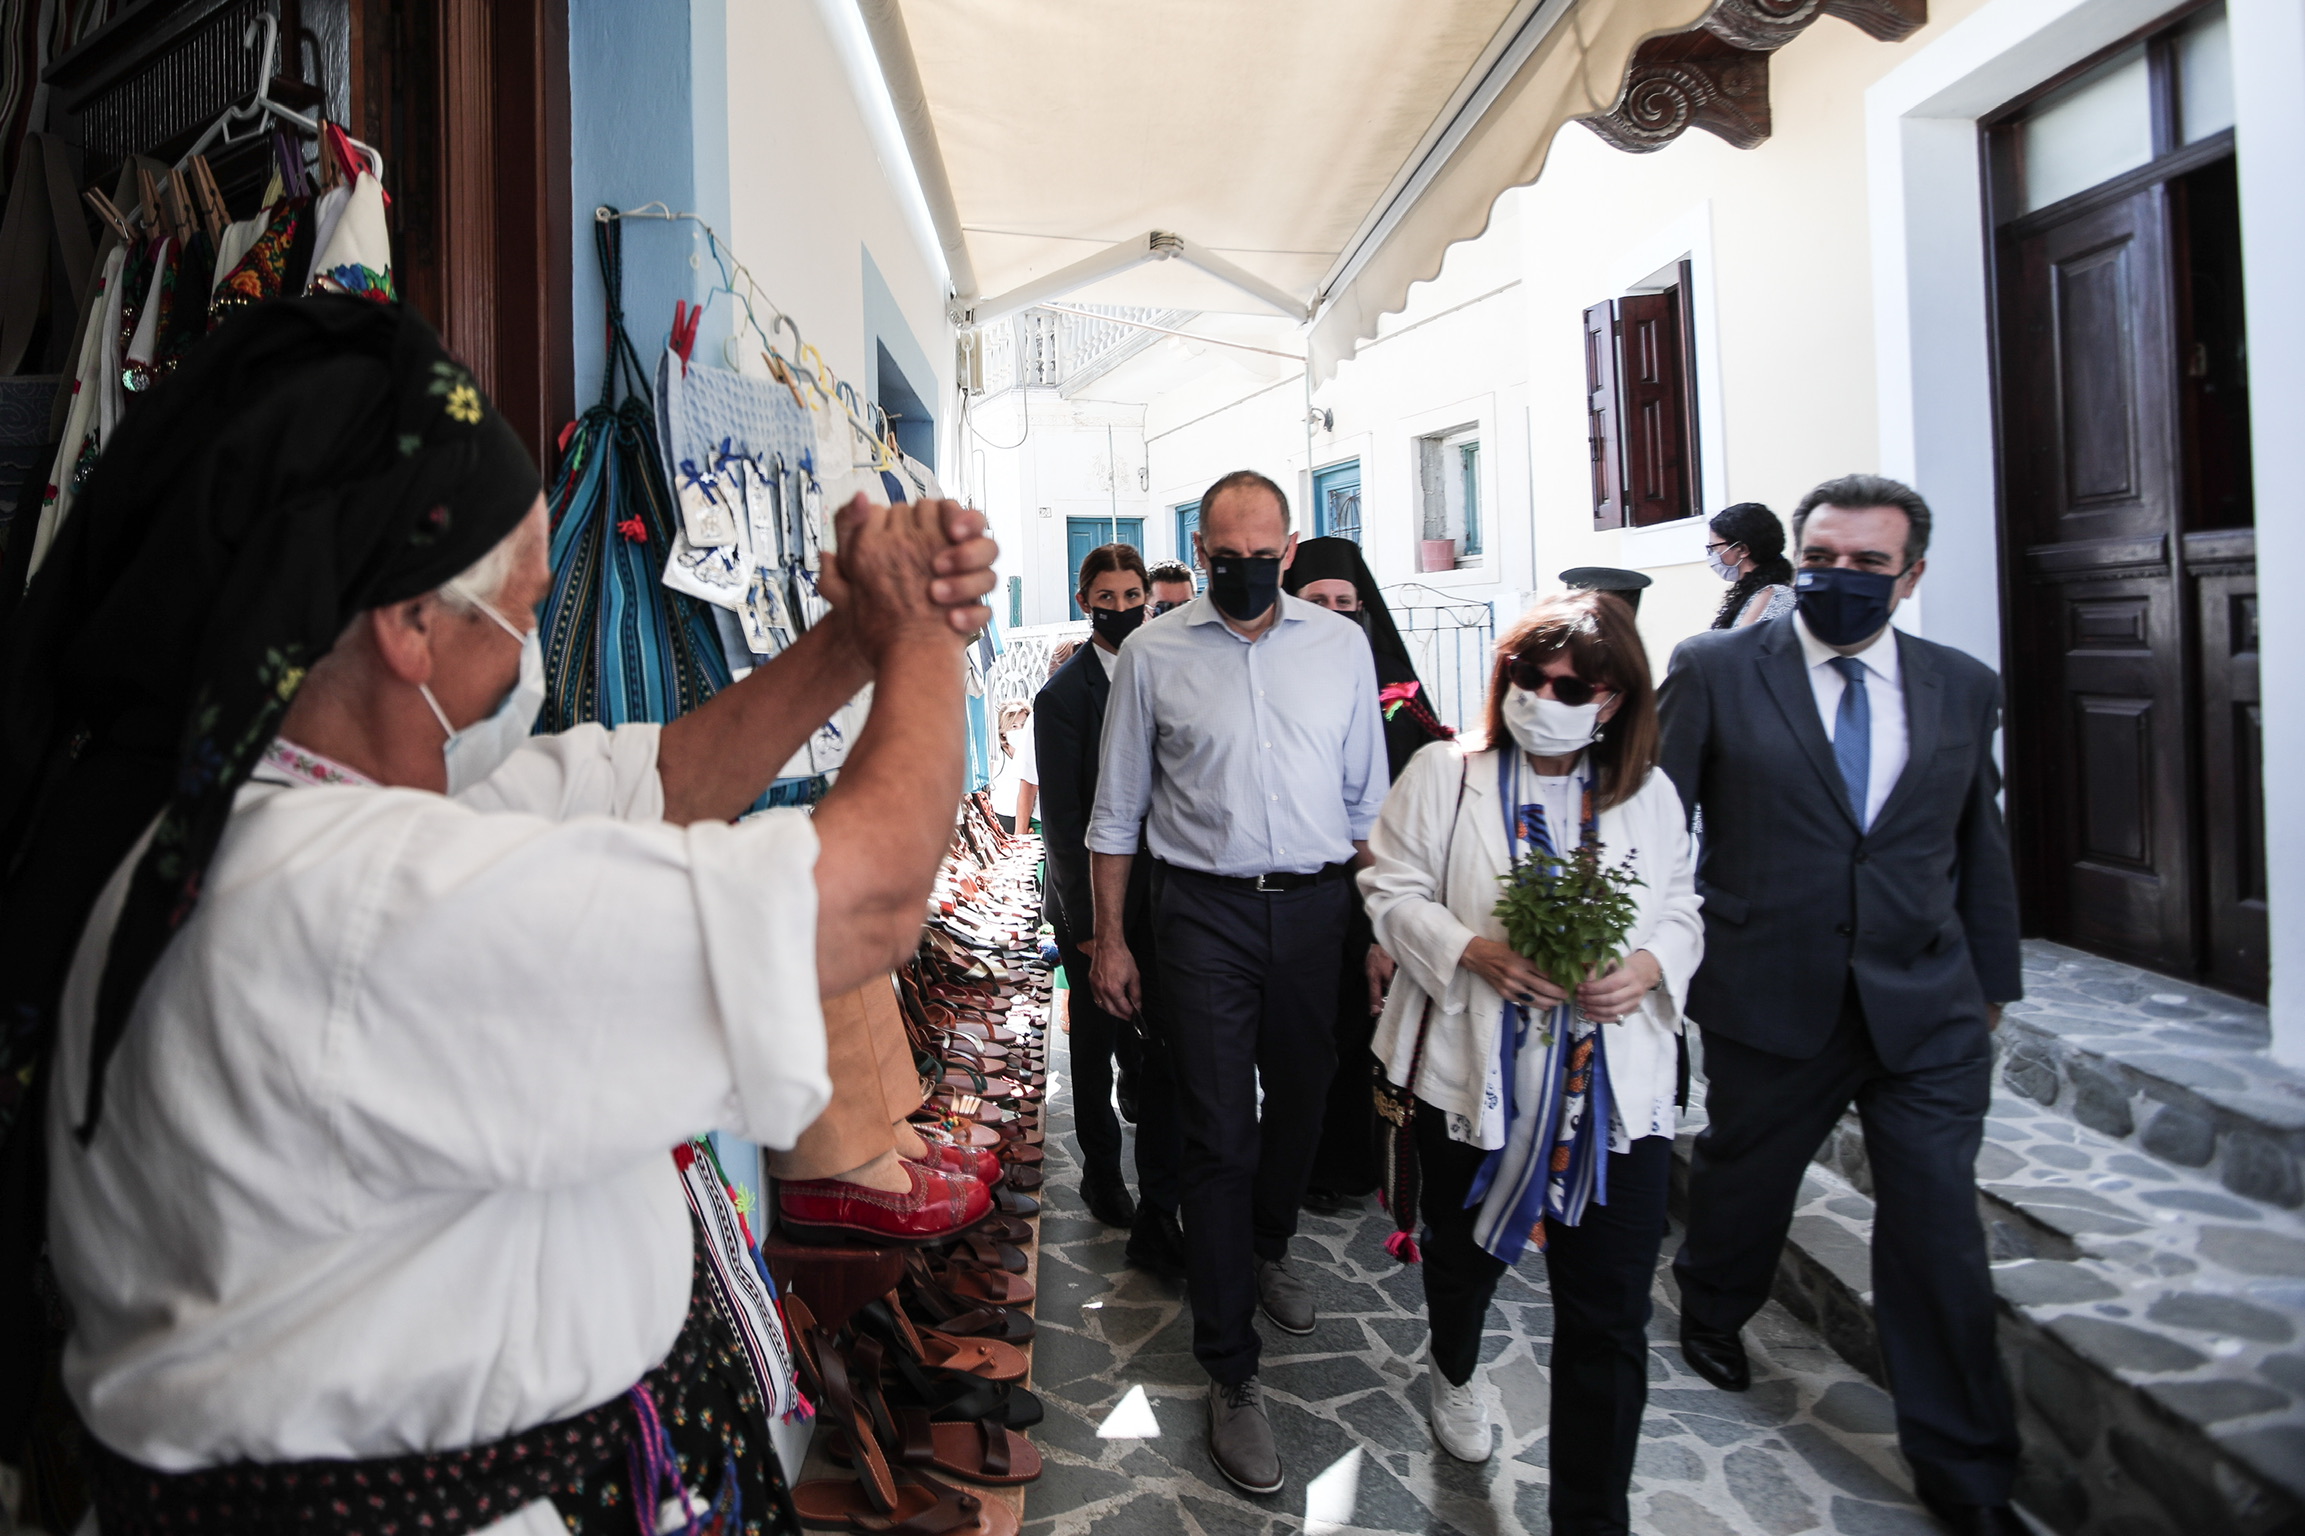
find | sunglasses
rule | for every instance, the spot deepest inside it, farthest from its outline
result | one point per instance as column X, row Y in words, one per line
column 1529, row 672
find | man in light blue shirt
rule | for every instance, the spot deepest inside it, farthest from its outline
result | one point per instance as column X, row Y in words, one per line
column 1242, row 745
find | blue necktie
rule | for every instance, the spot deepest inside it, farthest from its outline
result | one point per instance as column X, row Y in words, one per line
column 1853, row 734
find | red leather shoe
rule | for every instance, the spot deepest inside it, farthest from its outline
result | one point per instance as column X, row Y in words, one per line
column 984, row 1167
column 939, row 1205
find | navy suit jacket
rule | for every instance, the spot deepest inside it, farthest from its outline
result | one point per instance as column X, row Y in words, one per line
column 1921, row 908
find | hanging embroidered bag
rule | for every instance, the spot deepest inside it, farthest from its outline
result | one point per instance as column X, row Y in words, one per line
column 618, row 646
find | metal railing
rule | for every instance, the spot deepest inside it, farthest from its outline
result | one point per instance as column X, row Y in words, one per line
column 1051, row 349
column 1026, row 659
column 1450, row 640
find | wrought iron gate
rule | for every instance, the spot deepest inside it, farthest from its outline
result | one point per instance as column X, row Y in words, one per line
column 1449, row 638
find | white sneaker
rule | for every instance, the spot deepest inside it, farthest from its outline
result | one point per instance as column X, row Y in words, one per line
column 1460, row 1418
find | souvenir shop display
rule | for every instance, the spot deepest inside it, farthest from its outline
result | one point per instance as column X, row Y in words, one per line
column 927, row 1382
column 174, row 264
column 618, row 646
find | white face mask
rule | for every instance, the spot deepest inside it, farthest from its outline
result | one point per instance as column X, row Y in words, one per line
column 1547, row 727
column 478, row 750
column 1723, row 566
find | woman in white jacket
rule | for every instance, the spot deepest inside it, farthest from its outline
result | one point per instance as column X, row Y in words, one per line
column 1538, row 1123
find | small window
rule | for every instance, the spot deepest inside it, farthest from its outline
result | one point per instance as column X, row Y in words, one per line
column 2204, row 77
column 1449, row 498
column 1641, row 406
column 1337, row 501
column 1188, row 524
column 2091, row 131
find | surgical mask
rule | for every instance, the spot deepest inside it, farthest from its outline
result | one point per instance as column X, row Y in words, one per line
column 1842, row 606
column 1113, row 625
column 1547, row 727
column 1244, row 586
column 1723, row 565
column 478, row 750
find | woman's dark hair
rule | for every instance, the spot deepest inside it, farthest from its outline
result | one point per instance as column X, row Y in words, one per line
column 1756, row 527
column 1111, row 557
column 1603, row 642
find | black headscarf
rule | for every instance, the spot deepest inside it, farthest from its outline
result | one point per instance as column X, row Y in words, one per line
column 313, row 459
column 1409, row 723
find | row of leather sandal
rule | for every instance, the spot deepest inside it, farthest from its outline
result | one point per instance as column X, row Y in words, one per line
column 921, row 1393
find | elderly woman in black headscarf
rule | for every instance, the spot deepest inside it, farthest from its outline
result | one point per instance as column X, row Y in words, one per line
column 1331, row 573
column 357, row 1101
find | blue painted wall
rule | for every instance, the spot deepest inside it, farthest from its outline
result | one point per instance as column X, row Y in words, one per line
column 648, row 122
column 632, row 139
column 885, row 331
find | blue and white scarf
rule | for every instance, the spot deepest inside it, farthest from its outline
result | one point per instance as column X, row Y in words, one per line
column 1556, row 1086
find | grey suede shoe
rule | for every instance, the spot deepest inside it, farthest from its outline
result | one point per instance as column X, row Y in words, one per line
column 1284, row 1297
column 1241, row 1437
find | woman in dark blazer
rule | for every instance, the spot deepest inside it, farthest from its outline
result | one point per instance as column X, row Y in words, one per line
column 1068, row 722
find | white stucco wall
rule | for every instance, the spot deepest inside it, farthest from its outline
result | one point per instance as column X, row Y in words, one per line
column 816, row 177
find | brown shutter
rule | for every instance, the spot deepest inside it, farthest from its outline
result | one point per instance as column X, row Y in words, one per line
column 1601, row 418
column 1654, row 408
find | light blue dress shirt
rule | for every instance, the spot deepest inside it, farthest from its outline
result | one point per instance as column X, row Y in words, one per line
column 1241, row 757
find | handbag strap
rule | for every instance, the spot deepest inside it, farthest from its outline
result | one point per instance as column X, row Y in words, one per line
column 1448, row 853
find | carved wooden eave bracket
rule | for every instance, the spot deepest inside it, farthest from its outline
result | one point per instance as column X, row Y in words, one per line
column 1716, row 75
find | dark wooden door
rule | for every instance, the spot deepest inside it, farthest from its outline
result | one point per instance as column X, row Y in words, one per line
column 2100, row 738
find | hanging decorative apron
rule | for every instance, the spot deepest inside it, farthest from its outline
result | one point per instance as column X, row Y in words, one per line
column 1556, row 1085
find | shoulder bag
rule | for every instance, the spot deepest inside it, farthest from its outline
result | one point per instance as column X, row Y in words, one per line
column 1397, row 1106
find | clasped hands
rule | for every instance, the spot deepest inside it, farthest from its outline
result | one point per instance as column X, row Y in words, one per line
column 1608, row 997
column 913, row 571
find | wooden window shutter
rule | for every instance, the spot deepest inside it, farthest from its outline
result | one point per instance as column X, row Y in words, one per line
column 1653, row 412
column 1601, row 416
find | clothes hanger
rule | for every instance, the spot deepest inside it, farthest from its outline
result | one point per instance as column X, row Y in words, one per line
column 261, row 109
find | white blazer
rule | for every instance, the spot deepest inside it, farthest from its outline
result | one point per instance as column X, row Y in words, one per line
column 1426, row 931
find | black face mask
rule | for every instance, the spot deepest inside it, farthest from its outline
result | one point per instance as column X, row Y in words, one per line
column 1113, row 625
column 1160, row 608
column 1244, row 586
column 1841, row 606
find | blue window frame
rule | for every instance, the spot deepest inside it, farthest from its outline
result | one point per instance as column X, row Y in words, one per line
column 1188, row 524
column 1082, row 534
column 1337, row 501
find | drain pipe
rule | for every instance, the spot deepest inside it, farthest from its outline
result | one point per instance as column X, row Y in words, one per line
column 885, row 22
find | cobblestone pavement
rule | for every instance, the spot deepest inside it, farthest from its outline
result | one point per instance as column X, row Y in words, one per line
column 1809, row 1448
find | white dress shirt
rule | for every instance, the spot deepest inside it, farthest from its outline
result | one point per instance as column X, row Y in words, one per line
column 1884, row 694
column 385, row 1160
column 1111, row 658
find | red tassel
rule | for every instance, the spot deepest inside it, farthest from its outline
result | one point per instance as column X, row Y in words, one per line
column 1403, row 1246
column 634, row 529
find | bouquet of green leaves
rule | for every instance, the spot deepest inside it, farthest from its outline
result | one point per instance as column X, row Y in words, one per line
column 1568, row 916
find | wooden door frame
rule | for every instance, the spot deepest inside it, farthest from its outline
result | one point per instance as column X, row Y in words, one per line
column 469, row 100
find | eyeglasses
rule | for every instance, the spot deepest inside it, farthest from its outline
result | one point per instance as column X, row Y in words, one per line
column 1529, row 672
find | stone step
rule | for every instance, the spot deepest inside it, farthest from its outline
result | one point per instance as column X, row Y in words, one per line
column 2178, row 1072
column 2150, row 1323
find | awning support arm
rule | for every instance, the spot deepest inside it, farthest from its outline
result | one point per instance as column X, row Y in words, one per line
column 1154, row 245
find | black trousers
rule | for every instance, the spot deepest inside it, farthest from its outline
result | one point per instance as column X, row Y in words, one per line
column 1932, row 1295
column 1249, row 985
column 1098, row 1043
column 1600, row 1273
column 1347, row 1159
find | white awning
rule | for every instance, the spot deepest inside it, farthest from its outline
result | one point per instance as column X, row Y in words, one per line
column 1307, row 156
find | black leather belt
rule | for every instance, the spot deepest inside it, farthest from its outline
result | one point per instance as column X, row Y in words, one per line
column 1274, row 880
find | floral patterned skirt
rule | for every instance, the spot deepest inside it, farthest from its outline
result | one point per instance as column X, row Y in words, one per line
column 704, row 1393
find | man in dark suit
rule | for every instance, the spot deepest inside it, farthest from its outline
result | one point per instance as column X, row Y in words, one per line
column 1068, row 721
column 1860, row 939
